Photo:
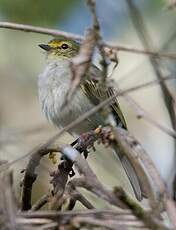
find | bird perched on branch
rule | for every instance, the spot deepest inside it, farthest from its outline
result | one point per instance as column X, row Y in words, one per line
column 54, row 83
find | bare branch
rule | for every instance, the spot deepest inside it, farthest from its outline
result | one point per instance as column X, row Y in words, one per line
column 134, row 151
column 8, row 207
column 80, row 64
column 90, row 182
column 141, row 113
column 74, row 195
column 64, row 218
column 146, row 40
column 154, row 54
column 171, row 4
column 41, row 202
column 30, row 175
column 40, row 30
column 118, row 47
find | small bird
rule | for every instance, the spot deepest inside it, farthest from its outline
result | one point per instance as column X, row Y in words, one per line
column 54, row 83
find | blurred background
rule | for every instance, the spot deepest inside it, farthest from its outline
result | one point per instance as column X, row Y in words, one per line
column 22, row 124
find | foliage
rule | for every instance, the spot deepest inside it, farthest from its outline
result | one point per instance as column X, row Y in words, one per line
column 36, row 11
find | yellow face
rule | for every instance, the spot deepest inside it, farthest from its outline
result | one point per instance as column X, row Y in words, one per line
column 61, row 47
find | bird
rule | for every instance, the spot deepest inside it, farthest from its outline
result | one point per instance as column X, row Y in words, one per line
column 53, row 85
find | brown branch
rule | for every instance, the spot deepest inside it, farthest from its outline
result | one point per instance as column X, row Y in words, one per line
column 154, row 54
column 30, row 175
column 171, row 4
column 40, row 30
column 79, row 65
column 90, row 182
column 146, row 40
column 71, row 196
column 52, row 32
column 100, row 44
column 134, row 151
column 143, row 114
column 75, row 195
column 147, row 217
column 41, row 202
column 107, row 223
column 59, row 179
column 67, row 217
column 8, row 206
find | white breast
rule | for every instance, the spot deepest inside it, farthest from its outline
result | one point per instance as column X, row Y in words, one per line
column 54, row 84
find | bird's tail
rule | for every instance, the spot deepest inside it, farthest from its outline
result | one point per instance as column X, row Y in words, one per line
column 132, row 176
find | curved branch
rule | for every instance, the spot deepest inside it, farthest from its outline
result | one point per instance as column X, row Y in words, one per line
column 30, row 176
column 52, row 32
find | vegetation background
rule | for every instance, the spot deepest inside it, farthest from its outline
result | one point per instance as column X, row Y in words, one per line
column 22, row 124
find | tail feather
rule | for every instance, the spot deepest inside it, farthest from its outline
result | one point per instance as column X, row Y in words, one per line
column 135, row 183
column 132, row 176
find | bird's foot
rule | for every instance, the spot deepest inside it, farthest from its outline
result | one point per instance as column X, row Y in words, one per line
column 52, row 157
column 85, row 142
column 104, row 135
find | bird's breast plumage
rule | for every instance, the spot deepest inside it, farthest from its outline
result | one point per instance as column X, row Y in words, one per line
column 54, row 83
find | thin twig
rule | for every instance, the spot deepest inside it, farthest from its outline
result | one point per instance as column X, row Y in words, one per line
column 108, row 224
column 41, row 202
column 79, row 64
column 30, row 176
column 65, row 216
column 77, row 196
column 8, row 207
column 143, row 114
column 96, row 26
column 154, row 54
column 40, row 30
column 134, row 151
column 146, row 40
column 52, row 32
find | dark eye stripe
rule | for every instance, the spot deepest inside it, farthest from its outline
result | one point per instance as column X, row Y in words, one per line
column 64, row 46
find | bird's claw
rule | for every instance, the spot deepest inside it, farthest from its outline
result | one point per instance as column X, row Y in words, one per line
column 52, row 157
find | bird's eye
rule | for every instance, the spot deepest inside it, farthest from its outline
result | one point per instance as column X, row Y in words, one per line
column 64, row 46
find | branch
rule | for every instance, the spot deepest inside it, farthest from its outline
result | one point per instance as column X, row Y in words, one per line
column 171, row 4
column 96, row 27
column 79, row 65
column 8, row 207
column 143, row 114
column 90, row 182
column 41, row 202
column 134, row 151
column 73, row 195
column 30, row 175
column 146, row 40
column 60, row 176
column 40, row 30
column 52, row 32
column 89, row 217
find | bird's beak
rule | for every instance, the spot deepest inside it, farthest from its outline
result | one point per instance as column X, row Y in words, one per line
column 45, row 47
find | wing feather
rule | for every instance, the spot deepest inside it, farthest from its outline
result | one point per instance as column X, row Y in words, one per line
column 96, row 94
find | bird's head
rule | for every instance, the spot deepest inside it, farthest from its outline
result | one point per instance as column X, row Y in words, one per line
column 61, row 48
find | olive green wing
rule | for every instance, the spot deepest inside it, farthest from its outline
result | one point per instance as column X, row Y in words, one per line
column 96, row 94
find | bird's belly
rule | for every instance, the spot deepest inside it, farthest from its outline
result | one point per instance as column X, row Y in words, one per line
column 61, row 117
